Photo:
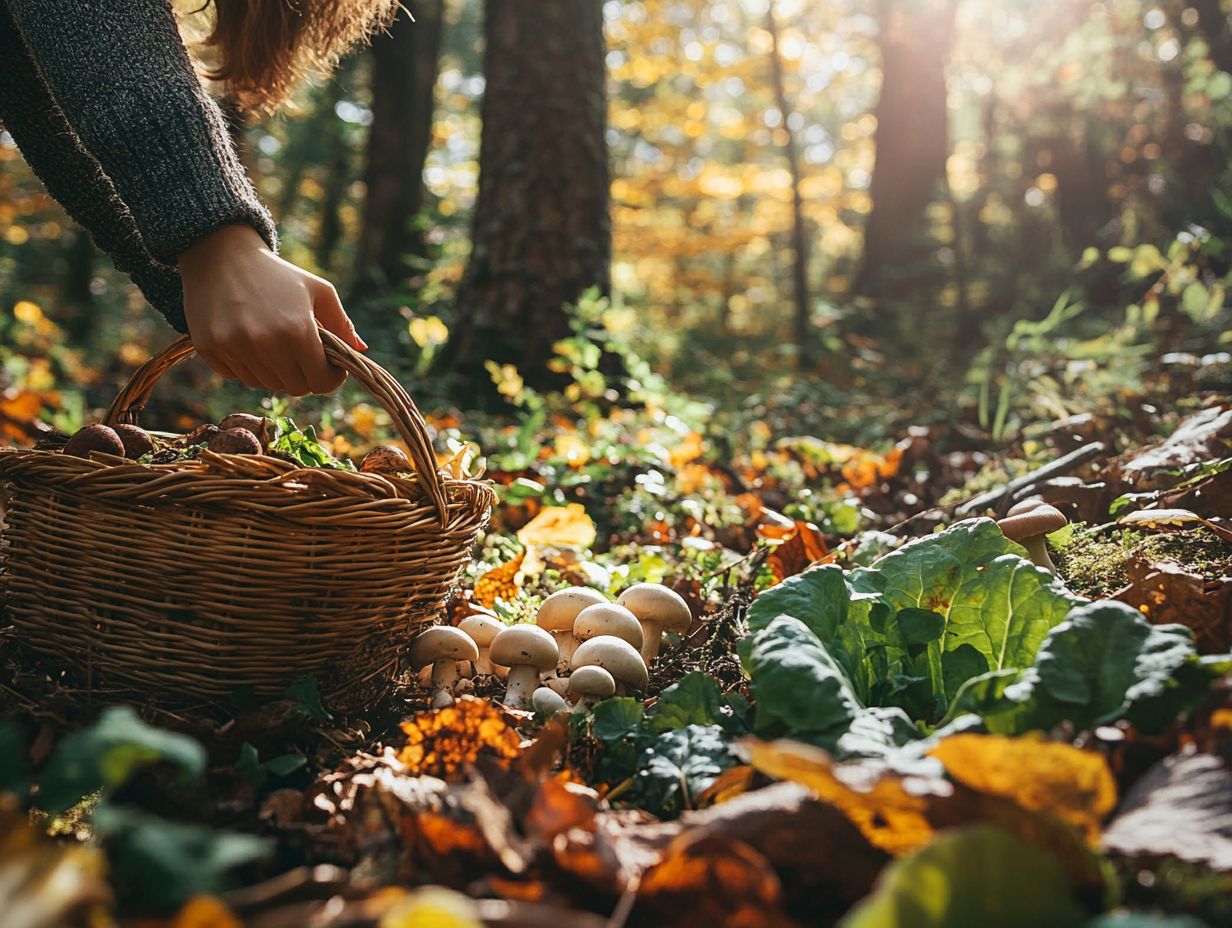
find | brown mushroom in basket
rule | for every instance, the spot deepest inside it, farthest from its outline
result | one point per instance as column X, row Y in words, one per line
column 385, row 459
column 659, row 609
column 97, row 437
column 136, row 440
column 1028, row 523
column 258, row 425
column 234, row 441
column 442, row 646
column 527, row 651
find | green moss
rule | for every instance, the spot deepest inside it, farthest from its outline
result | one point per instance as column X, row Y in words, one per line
column 1093, row 563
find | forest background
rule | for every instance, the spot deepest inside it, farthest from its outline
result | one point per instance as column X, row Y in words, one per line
column 837, row 217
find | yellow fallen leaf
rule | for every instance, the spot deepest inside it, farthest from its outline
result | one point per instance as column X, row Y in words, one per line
column 1044, row 776
column 559, row 527
column 205, row 912
column 433, row 907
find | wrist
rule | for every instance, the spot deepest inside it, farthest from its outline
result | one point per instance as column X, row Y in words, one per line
column 224, row 242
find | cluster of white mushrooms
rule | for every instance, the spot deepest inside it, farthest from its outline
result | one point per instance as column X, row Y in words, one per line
column 581, row 645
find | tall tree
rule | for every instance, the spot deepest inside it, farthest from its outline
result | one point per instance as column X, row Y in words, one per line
column 542, row 233
column 404, row 68
column 802, row 326
column 912, row 134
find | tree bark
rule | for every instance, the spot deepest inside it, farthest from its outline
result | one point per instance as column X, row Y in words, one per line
column 802, row 317
column 404, row 68
column 542, row 233
column 912, row 137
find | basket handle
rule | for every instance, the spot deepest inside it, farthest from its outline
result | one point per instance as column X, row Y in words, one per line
column 375, row 379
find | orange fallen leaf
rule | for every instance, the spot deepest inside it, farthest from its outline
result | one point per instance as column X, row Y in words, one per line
column 559, row 527
column 499, row 583
column 442, row 742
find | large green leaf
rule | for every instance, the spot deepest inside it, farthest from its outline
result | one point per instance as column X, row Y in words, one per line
column 974, row 878
column 694, row 699
column 107, row 753
column 798, row 688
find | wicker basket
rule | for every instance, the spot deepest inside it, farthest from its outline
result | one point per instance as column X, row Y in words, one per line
column 190, row 582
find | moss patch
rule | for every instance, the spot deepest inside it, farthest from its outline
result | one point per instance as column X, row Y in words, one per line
column 1093, row 563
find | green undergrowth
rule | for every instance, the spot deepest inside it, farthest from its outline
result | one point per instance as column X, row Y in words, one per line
column 1095, row 564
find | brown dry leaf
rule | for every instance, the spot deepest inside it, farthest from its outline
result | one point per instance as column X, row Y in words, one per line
column 559, row 527
column 804, row 547
column 1052, row 777
column 891, row 812
column 20, row 411
column 1165, row 593
column 443, row 742
column 708, row 880
column 557, row 808
column 866, row 469
column 732, row 782
column 499, row 583
column 1204, row 436
column 1181, row 808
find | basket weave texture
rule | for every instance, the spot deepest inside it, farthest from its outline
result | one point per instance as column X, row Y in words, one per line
column 193, row 581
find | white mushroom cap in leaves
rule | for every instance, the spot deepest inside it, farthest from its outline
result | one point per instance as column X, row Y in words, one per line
column 442, row 642
column 557, row 613
column 608, row 619
column 483, row 629
column 592, row 682
column 659, row 609
column 617, row 657
column 528, row 651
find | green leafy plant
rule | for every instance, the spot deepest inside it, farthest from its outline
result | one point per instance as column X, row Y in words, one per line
column 303, row 446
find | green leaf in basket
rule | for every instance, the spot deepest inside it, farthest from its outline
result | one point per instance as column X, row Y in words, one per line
column 105, row 755
column 302, row 445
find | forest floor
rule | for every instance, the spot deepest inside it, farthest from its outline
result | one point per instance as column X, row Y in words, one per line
column 879, row 704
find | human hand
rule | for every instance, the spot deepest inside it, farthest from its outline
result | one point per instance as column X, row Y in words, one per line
column 253, row 316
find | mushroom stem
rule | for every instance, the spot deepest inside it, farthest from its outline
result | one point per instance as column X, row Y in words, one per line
column 1037, row 549
column 523, row 679
column 567, row 643
column 444, row 676
column 483, row 666
column 652, row 635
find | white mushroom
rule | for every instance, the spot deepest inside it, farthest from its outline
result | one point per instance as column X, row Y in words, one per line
column 617, row 657
column 442, row 646
column 557, row 613
column 590, row 684
column 482, row 629
column 547, row 701
column 659, row 609
column 527, row 651
column 608, row 619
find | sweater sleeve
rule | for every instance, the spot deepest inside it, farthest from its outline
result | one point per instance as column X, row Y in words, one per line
column 122, row 77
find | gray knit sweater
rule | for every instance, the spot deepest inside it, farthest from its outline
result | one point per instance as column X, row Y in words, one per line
column 102, row 100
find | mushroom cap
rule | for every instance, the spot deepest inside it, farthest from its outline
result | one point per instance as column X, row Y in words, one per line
column 258, row 425
column 442, row 642
column 97, row 437
column 608, row 619
column 1040, row 519
column 518, row 645
column 557, row 613
column 482, row 628
column 656, row 604
column 385, row 459
column 548, row 701
column 234, row 441
column 592, row 681
column 1025, row 505
column 616, row 656
column 136, row 440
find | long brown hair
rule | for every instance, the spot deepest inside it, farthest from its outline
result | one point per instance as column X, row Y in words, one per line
column 265, row 46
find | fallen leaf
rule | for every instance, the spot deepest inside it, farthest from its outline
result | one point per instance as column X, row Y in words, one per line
column 559, row 527
column 1167, row 594
column 499, row 582
column 1181, row 807
column 1051, row 777
column 1204, row 436
column 205, row 912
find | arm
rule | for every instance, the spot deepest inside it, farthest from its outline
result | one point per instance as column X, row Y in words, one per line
column 121, row 76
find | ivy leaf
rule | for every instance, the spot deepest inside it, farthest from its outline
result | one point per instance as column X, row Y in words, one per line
column 680, row 765
column 110, row 751
column 692, row 700
column 307, row 697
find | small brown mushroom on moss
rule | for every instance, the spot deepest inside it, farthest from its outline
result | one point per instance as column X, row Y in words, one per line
column 93, row 438
column 385, row 459
column 258, row 425
column 136, row 440
column 234, row 441
column 1028, row 523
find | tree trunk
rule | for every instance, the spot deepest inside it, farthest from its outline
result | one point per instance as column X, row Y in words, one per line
column 542, row 234
column 802, row 316
column 404, row 68
column 337, row 180
column 912, row 137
